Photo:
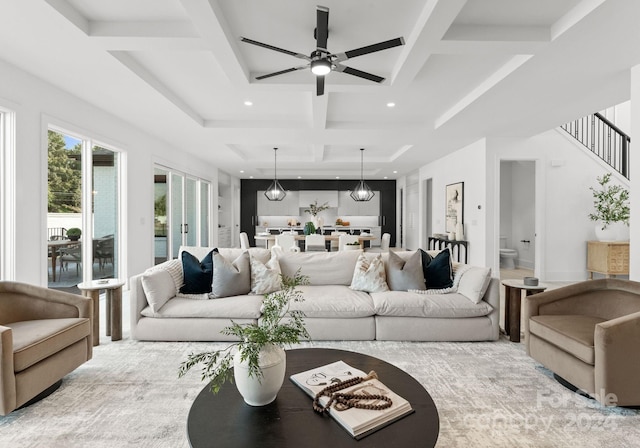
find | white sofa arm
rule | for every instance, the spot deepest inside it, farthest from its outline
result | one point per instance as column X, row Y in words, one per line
column 138, row 302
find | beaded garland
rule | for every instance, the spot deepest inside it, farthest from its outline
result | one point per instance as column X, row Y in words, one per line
column 344, row 401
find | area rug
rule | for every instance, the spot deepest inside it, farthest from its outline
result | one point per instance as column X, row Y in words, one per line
column 488, row 394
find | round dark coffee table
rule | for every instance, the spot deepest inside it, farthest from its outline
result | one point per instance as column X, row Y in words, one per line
column 225, row 420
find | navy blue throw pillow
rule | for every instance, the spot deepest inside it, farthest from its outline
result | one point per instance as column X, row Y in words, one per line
column 198, row 275
column 438, row 273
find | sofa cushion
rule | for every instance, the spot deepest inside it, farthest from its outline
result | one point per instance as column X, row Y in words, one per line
column 159, row 287
column 265, row 278
column 572, row 333
column 404, row 274
column 174, row 268
column 35, row 340
column 402, row 303
column 322, row 268
column 337, row 301
column 230, row 278
column 197, row 274
column 474, row 282
column 437, row 271
column 369, row 275
column 237, row 307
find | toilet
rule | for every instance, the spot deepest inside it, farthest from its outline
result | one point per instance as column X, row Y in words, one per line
column 507, row 256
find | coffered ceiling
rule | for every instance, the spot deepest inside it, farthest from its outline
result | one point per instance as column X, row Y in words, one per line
column 469, row 68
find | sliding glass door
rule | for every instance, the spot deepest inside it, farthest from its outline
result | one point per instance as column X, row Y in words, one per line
column 181, row 212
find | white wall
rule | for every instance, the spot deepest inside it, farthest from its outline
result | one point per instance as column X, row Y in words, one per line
column 37, row 104
column 564, row 173
column 465, row 165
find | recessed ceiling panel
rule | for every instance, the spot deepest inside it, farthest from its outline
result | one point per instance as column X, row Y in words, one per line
column 514, row 12
column 128, row 10
column 196, row 79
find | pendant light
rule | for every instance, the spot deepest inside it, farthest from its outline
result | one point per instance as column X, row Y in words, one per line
column 362, row 192
column 275, row 192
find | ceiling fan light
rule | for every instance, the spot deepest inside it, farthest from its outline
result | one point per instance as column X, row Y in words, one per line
column 320, row 67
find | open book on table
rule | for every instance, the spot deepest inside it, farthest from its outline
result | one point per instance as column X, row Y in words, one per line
column 358, row 422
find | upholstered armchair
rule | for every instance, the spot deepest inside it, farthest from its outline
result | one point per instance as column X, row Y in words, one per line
column 589, row 334
column 44, row 335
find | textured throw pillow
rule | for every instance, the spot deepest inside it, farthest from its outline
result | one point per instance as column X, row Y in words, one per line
column 401, row 275
column 474, row 283
column 230, row 278
column 265, row 277
column 369, row 276
column 158, row 286
column 197, row 274
column 437, row 271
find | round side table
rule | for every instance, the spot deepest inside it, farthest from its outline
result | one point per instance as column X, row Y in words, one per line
column 512, row 305
column 113, row 290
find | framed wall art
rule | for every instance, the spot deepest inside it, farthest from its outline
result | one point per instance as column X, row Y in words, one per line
column 455, row 206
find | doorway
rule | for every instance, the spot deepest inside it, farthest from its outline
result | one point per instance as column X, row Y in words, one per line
column 517, row 233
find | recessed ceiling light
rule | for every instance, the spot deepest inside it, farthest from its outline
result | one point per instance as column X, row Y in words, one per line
column 386, row 177
column 337, row 177
column 242, row 171
column 391, row 104
column 250, row 177
column 395, row 172
column 248, row 103
column 299, row 177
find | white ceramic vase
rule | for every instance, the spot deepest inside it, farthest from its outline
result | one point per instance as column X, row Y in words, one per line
column 616, row 231
column 459, row 232
column 261, row 391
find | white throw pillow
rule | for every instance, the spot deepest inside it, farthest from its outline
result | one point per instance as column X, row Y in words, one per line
column 265, row 277
column 174, row 268
column 474, row 283
column 369, row 275
column 159, row 287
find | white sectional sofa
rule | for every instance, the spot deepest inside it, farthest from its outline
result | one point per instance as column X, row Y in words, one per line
column 333, row 310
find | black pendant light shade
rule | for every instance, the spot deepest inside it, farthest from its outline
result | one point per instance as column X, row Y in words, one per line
column 275, row 192
column 362, row 192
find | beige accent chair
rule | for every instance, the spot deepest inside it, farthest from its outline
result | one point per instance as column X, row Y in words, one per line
column 588, row 334
column 44, row 335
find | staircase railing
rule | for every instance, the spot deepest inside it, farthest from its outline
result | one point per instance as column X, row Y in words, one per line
column 604, row 139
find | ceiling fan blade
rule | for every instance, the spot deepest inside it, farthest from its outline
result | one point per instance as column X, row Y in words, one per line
column 271, row 47
column 319, row 85
column 282, row 72
column 322, row 27
column 369, row 49
column 358, row 73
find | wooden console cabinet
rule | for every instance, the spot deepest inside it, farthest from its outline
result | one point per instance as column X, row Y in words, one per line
column 610, row 258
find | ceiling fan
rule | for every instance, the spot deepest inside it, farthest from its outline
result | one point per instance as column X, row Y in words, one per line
column 321, row 61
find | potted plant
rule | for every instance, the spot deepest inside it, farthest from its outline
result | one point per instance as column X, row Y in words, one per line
column 611, row 203
column 258, row 358
column 309, row 228
column 74, row 233
column 314, row 209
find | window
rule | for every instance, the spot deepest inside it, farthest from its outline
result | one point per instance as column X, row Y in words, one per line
column 7, row 196
column 84, row 209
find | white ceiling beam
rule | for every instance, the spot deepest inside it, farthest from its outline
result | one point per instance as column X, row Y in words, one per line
column 145, row 75
column 161, row 29
column 499, row 75
column 208, row 18
column 460, row 47
column 71, row 14
column 574, row 16
column 238, row 152
column 434, row 20
column 318, row 153
column 319, row 108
